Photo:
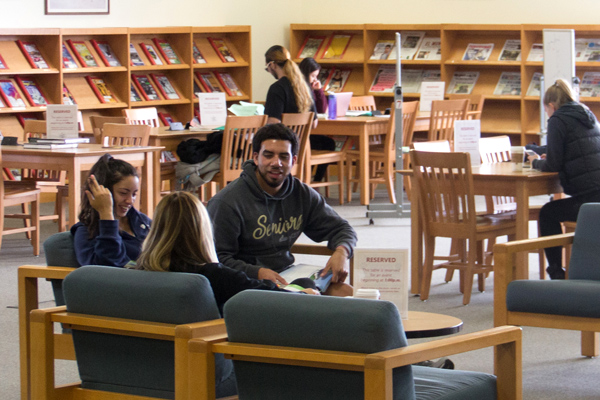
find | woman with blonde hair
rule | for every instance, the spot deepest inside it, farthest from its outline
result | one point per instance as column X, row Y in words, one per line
column 573, row 151
column 290, row 94
column 181, row 240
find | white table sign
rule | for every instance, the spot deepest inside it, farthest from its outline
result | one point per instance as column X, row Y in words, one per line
column 213, row 109
column 430, row 91
column 385, row 270
column 466, row 138
column 61, row 121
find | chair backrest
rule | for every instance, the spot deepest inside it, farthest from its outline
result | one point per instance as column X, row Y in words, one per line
column 362, row 103
column 495, row 149
column 125, row 135
column 301, row 124
column 133, row 365
column 142, row 116
column 439, row 146
column 237, row 144
column 316, row 322
column 443, row 115
column 60, row 252
column 37, row 129
column 585, row 251
column 476, row 102
column 98, row 122
column 445, row 185
column 409, row 116
column 34, row 128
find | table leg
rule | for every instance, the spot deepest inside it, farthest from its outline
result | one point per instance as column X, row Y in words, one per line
column 364, row 169
column 150, row 175
column 157, row 183
column 416, row 234
column 74, row 186
column 522, row 225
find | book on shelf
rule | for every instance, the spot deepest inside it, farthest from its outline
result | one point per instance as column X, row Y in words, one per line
column 3, row 64
column 337, row 79
column 50, row 146
column 411, row 80
column 167, row 155
column 32, row 54
column 536, row 53
column 382, row 50
column 535, row 85
column 10, row 94
column 311, row 46
column 197, row 56
column 580, row 49
column 106, row 53
column 145, row 86
column 198, row 87
column 222, row 49
column 167, row 51
column 83, row 53
column 165, row 86
column 227, row 82
column 323, row 75
column 410, row 43
column 152, row 55
column 134, row 95
column 165, row 118
column 32, row 91
column 337, row 46
column 68, row 60
column 590, row 84
column 478, row 51
column 385, row 79
column 22, row 117
column 134, row 56
column 210, row 83
column 509, row 84
column 432, row 75
column 67, row 97
column 101, row 89
column 430, row 49
column 463, row 82
column 511, row 51
column 58, row 140
column 592, row 51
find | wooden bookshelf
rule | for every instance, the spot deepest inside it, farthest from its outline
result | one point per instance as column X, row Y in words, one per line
column 118, row 78
column 515, row 115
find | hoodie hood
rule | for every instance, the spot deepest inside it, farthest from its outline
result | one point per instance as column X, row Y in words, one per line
column 578, row 112
column 248, row 175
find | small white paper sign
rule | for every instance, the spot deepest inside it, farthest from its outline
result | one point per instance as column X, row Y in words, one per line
column 61, row 121
column 466, row 138
column 385, row 270
column 430, row 91
column 213, row 109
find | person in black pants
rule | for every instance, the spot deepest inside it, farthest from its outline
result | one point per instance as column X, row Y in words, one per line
column 573, row 151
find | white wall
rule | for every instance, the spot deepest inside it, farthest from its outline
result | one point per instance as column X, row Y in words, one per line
column 270, row 19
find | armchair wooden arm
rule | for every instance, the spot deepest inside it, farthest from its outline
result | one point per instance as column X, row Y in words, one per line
column 378, row 367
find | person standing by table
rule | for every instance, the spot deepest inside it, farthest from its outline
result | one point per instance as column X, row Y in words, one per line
column 573, row 151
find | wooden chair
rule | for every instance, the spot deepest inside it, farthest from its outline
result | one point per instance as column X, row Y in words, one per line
column 476, row 102
column 558, row 304
column 98, row 122
column 362, row 103
column 385, row 155
column 362, row 353
column 125, row 135
column 236, row 149
column 446, row 194
column 443, row 115
column 301, row 124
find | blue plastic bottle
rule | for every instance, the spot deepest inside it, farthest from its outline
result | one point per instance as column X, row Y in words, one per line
column 332, row 107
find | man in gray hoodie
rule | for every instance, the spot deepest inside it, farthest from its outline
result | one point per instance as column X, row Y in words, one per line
column 258, row 217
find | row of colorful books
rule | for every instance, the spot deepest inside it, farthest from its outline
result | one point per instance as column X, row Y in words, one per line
column 29, row 95
column 79, row 50
column 216, row 81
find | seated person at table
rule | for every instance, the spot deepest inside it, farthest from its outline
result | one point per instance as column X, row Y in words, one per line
column 259, row 216
column 181, row 240
column 110, row 230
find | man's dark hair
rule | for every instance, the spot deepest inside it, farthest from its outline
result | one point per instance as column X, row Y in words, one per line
column 275, row 132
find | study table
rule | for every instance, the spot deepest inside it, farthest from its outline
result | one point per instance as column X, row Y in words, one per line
column 76, row 161
column 499, row 179
column 361, row 128
column 425, row 324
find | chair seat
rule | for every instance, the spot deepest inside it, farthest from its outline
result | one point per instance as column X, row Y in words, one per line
column 445, row 384
column 16, row 194
column 550, row 297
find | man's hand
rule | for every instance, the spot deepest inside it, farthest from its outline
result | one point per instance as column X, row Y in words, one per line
column 100, row 199
column 338, row 264
column 269, row 274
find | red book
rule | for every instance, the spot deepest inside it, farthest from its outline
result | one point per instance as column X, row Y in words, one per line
column 151, row 54
column 101, row 89
column 106, row 53
column 3, row 64
column 228, row 84
column 10, row 94
column 311, row 46
column 134, row 95
column 166, row 118
column 145, row 87
column 167, row 51
column 165, row 86
column 197, row 55
column 2, row 105
column 209, row 82
column 32, row 91
column 32, row 54
column 222, row 50
column 68, row 98
column 83, row 53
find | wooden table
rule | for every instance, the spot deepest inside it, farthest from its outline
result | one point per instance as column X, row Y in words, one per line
column 500, row 179
column 425, row 324
column 81, row 159
column 361, row 128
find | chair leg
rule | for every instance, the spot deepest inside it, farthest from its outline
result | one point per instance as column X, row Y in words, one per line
column 590, row 344
column 26, row 222
column 35, row 221
column 468, row 275
column 341, row 180
column 327, row 178
column 480, row 277
column 427, row 267
column 389, row 183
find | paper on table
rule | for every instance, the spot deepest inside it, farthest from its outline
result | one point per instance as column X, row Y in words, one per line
column 245, row 109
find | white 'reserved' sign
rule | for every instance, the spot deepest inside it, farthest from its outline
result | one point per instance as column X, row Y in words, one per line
column 61, row 121
column 466, row 138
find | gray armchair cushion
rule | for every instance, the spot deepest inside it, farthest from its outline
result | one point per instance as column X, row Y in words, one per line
column 135, row 365
column 60, row 252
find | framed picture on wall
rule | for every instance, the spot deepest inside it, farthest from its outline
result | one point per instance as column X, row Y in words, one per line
column 77, row 7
